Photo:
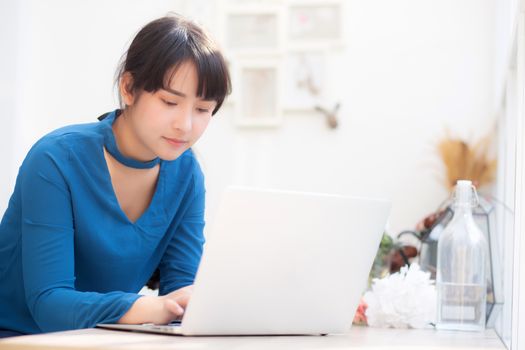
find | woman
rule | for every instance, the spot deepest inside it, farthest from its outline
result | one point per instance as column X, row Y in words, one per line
column 98, row 207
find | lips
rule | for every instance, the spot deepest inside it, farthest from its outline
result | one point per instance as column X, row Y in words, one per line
column 175, row 141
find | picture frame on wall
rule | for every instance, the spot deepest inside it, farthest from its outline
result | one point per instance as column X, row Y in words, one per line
column 304, row 80
column 258, row 97
column 314, row 24
column 253, row 30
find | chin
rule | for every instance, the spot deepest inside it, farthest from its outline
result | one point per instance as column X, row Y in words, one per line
column 169, row 156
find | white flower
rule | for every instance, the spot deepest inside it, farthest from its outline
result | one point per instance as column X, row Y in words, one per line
column 404, row 299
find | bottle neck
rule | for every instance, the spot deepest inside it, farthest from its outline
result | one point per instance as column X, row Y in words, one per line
column 462, row 209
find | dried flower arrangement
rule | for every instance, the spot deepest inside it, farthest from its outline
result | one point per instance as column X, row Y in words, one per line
column 464, row 161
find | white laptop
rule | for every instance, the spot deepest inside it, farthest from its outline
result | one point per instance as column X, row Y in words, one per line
column 281, row 263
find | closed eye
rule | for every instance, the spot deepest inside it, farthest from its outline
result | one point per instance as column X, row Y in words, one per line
column 203, row 110
column 170, row 103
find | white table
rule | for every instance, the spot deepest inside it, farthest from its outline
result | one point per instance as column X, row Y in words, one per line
column 356, row 338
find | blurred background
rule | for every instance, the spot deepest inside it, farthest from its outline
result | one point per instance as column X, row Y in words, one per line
column 402, row 72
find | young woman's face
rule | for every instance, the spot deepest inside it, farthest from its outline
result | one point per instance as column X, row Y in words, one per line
column 169, row 121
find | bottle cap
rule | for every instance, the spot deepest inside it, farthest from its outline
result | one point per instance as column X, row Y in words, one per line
column 466, row 194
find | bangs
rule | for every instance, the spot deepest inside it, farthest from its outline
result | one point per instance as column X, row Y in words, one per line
column 212, row 74
column 214, row 80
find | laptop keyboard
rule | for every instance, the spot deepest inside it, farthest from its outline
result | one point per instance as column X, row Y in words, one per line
column 171, row 327
column 168, row 328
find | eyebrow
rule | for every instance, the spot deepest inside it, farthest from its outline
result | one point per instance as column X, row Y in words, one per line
column 175, row 92
column 178, row 93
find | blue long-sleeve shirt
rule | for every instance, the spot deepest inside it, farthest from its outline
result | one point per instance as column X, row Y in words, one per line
column 69, row 256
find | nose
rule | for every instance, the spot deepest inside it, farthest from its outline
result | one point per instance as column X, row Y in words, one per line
column 183, row 120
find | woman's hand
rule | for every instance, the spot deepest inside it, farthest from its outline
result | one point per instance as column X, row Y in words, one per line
column 158, row 310
column 177, row 301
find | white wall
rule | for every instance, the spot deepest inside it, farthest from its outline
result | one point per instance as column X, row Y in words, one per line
column 8, row 85
column 504, row 30
column 410, row 68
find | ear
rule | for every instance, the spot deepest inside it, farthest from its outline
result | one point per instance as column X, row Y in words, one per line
column 125, row 83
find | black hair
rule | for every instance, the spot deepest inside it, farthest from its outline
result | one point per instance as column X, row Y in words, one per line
column 162, row 45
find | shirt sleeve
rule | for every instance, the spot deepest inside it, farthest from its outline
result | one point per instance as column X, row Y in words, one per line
column 181, row 259
column 48, row 250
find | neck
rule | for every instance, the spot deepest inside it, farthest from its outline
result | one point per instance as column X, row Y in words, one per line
column 128, row 142
column 463, row 209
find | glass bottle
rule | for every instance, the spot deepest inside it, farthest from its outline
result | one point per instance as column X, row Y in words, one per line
column 461, row 267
